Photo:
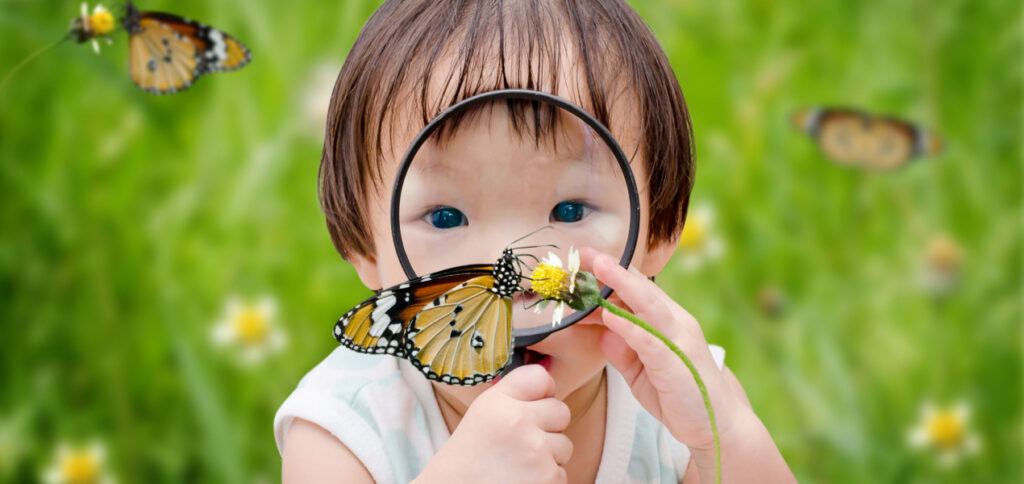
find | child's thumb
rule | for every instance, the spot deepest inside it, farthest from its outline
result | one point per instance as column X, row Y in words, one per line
column 527, row 383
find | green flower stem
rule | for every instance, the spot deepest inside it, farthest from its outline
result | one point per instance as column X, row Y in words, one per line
column 689, row 364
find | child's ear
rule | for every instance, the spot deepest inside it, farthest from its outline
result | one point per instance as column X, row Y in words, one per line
column 658, row 255
column 366, row 267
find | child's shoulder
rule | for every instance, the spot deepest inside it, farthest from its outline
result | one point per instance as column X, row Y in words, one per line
column 379, row 410
column 345, row 374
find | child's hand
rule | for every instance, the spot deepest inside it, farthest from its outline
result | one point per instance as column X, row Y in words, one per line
column 658, row 379
column 510, row 433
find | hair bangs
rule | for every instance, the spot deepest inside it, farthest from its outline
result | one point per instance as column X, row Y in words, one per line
column 414, row 59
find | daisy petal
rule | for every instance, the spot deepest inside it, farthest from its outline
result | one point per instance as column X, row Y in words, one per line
column 554, row 260
column 556, row 315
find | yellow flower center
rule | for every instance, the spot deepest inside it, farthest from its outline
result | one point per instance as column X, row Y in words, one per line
column 101, row 22
column 548, row 281
column 694, row 234
column 251, row 325
column 946, row 429
column 943, row 254
column 80, row 468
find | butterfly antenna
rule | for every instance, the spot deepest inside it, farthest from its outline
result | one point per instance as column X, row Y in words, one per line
column 535, row 259
column 531, row 233
column 553, row 246
column 29, row 59
column 521, row 266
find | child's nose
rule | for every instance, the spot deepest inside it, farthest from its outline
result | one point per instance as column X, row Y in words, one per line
column 506, row 234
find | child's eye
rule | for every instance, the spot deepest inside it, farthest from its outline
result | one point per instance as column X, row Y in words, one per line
column 447, row 217
column 567, row 211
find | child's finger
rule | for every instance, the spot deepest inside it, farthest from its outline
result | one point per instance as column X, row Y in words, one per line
column 527, row 383
column 651, row 354
column 686, row 325
column 561, row 447
column 638, row 292
column 620, row 355
column 587, row 255
column 552, row 414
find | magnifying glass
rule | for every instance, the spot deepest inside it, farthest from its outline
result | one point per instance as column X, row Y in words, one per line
column 496, row 184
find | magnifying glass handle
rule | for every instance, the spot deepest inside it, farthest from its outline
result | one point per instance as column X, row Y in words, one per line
column 518, row 358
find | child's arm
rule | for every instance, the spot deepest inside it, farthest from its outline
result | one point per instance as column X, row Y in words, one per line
column 665, row 388
column 312, row 455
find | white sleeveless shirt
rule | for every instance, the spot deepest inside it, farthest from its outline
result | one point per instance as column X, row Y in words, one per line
column 385, row 412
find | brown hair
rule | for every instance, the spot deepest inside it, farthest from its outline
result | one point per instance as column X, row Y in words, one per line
column 403, row 44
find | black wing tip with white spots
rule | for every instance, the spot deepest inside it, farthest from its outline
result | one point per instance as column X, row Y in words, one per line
column 474, row 379
column 243, row 63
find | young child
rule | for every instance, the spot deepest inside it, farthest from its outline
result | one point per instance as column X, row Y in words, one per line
column 608, row 403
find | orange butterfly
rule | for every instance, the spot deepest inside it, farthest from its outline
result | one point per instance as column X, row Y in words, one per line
column 453, row 325
column 166, row 53
column 853, row 137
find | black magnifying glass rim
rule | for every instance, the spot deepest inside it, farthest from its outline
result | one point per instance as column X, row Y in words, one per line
column 529, row 336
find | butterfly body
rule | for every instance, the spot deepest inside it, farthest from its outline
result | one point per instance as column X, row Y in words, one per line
column 167, row 53
column 453, row 325
column 854, row 137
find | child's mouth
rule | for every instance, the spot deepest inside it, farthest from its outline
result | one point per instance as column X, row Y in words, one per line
column 531, row 357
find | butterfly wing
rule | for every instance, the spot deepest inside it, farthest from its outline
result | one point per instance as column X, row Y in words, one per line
column 160, row 60
column 377, row 325
column 890, row 144
column 218, row 50
column 842, row 136
column 167, row 52
column 853, row 137
column 464, row 336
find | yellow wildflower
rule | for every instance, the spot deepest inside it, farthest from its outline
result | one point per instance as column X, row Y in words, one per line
column 101, row 22
column 89, row 27
column 699, row 243
column 946, row 431
column 251, row 326
column 78, row 465
column 553, row 283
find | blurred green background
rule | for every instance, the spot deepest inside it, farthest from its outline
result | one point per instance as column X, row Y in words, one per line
column 127, row 221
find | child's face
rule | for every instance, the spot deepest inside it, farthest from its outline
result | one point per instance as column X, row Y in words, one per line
column 466, row 200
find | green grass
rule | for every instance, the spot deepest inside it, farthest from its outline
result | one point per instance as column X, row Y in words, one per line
column 127, row 219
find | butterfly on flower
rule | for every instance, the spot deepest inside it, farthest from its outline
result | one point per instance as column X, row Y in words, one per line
column 454, row 325
column 854, row 137
column 166, row 53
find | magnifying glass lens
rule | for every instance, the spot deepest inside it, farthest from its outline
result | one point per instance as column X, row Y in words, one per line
column 490, row 206
column 480, row 188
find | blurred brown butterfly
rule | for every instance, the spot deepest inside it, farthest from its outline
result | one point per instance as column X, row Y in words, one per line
column 166, row 53
column 853, row 137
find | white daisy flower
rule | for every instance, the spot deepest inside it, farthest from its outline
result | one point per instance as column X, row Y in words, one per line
column 946, row 431
column 552, row 282
column 251, row 326
column 98, row 24
column 78, row 465
column 699, row 243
